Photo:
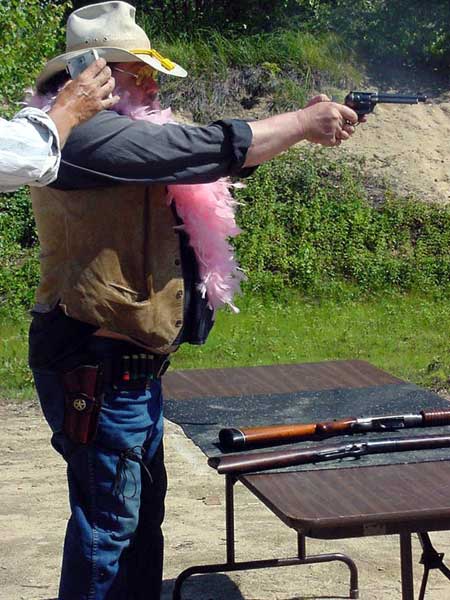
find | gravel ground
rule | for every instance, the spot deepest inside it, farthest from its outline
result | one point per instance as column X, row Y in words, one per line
column 34, row 509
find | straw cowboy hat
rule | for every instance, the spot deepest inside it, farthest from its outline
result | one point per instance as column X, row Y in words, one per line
column 111, row 29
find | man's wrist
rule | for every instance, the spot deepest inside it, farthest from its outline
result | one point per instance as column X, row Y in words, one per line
column 65, row 120
column 64, row 113
column 302, row 121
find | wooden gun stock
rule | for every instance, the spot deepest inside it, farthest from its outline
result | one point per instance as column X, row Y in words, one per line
column 237, row 439
column 272, row 435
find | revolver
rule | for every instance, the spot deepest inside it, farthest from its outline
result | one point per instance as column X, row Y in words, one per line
column 363, row 103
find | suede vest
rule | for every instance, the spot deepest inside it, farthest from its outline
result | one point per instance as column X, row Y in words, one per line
column 111, row 258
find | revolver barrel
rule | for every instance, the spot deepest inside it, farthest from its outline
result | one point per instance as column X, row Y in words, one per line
column 394, row 99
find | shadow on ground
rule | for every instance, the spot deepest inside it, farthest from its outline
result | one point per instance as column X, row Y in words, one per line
column 218, row 586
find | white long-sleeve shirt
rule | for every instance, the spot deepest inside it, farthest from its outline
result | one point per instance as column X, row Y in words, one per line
column 29, row 150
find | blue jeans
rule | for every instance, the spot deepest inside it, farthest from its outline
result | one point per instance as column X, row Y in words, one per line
column 113, row 548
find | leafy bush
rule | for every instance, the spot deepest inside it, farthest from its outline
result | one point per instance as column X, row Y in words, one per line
column 29, row 32
column 186, row 17
column 308, row 226
column 19, row 269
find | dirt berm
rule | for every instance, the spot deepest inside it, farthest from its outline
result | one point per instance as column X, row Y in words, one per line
column 408, row 147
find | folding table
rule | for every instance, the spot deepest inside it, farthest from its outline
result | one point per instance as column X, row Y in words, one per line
column 401, row 493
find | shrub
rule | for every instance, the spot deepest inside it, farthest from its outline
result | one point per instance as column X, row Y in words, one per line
column 19, row 269
column 404, row 31
column 308, row 225
column 30, row 32
column 186, row 17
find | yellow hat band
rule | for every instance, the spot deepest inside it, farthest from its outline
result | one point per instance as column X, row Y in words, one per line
column 165, row 62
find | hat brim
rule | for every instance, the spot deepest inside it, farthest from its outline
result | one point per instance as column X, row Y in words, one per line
column 112, row 54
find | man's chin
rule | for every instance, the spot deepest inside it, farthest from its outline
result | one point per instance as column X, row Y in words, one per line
column 152, row 101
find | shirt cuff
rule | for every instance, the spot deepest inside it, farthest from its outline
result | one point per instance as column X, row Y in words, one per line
column 241, row 136
column 41, row 119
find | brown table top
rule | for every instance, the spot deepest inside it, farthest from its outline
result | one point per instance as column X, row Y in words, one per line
column 353, row 502
column 274, row 379
column 331, row 503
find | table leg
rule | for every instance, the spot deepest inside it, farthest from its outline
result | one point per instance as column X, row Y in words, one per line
column 229, row 516
column 267, row 564
column 431, row 559
column 406, row 566
column 231, row 564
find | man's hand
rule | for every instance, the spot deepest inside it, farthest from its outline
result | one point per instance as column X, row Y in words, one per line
column 316, row 99
column 325, row 122
column 321, row 122
column 82, row 98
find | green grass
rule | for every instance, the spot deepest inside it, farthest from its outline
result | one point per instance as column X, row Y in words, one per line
column 15, row 377
column 227, row 73
column 297, row 50
column 406, row 335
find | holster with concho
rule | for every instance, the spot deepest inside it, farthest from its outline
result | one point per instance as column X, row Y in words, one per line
column 83, row 401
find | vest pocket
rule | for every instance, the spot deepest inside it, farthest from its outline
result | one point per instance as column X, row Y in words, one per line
column 128, row 293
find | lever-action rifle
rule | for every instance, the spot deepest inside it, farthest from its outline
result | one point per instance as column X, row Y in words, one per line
column 363, row 103
column 238, row 439
column 261, row 461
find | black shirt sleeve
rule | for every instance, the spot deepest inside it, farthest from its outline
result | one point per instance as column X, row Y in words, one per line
column 111, row 148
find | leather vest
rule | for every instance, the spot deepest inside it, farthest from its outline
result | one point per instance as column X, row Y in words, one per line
column 111, row 258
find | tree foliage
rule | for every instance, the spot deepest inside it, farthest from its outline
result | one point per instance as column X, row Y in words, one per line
column 406, row 30
column 30, row 32
column 227, row 16
column 409, row 31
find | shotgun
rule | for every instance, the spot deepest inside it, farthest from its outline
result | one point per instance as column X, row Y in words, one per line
column 262, row 461
column 238, row 439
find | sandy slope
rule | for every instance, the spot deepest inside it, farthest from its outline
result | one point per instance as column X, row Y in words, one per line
column 409, row 147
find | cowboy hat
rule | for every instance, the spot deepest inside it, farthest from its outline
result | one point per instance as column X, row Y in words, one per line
column 111, row 29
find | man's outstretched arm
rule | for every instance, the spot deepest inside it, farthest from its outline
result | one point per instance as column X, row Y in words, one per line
column 113, row 149
column 321, row 122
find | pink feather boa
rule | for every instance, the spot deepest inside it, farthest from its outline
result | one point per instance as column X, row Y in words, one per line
column 207, row 211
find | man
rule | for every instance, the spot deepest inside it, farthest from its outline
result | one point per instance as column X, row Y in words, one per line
column 134, row 262
column 30, row 144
